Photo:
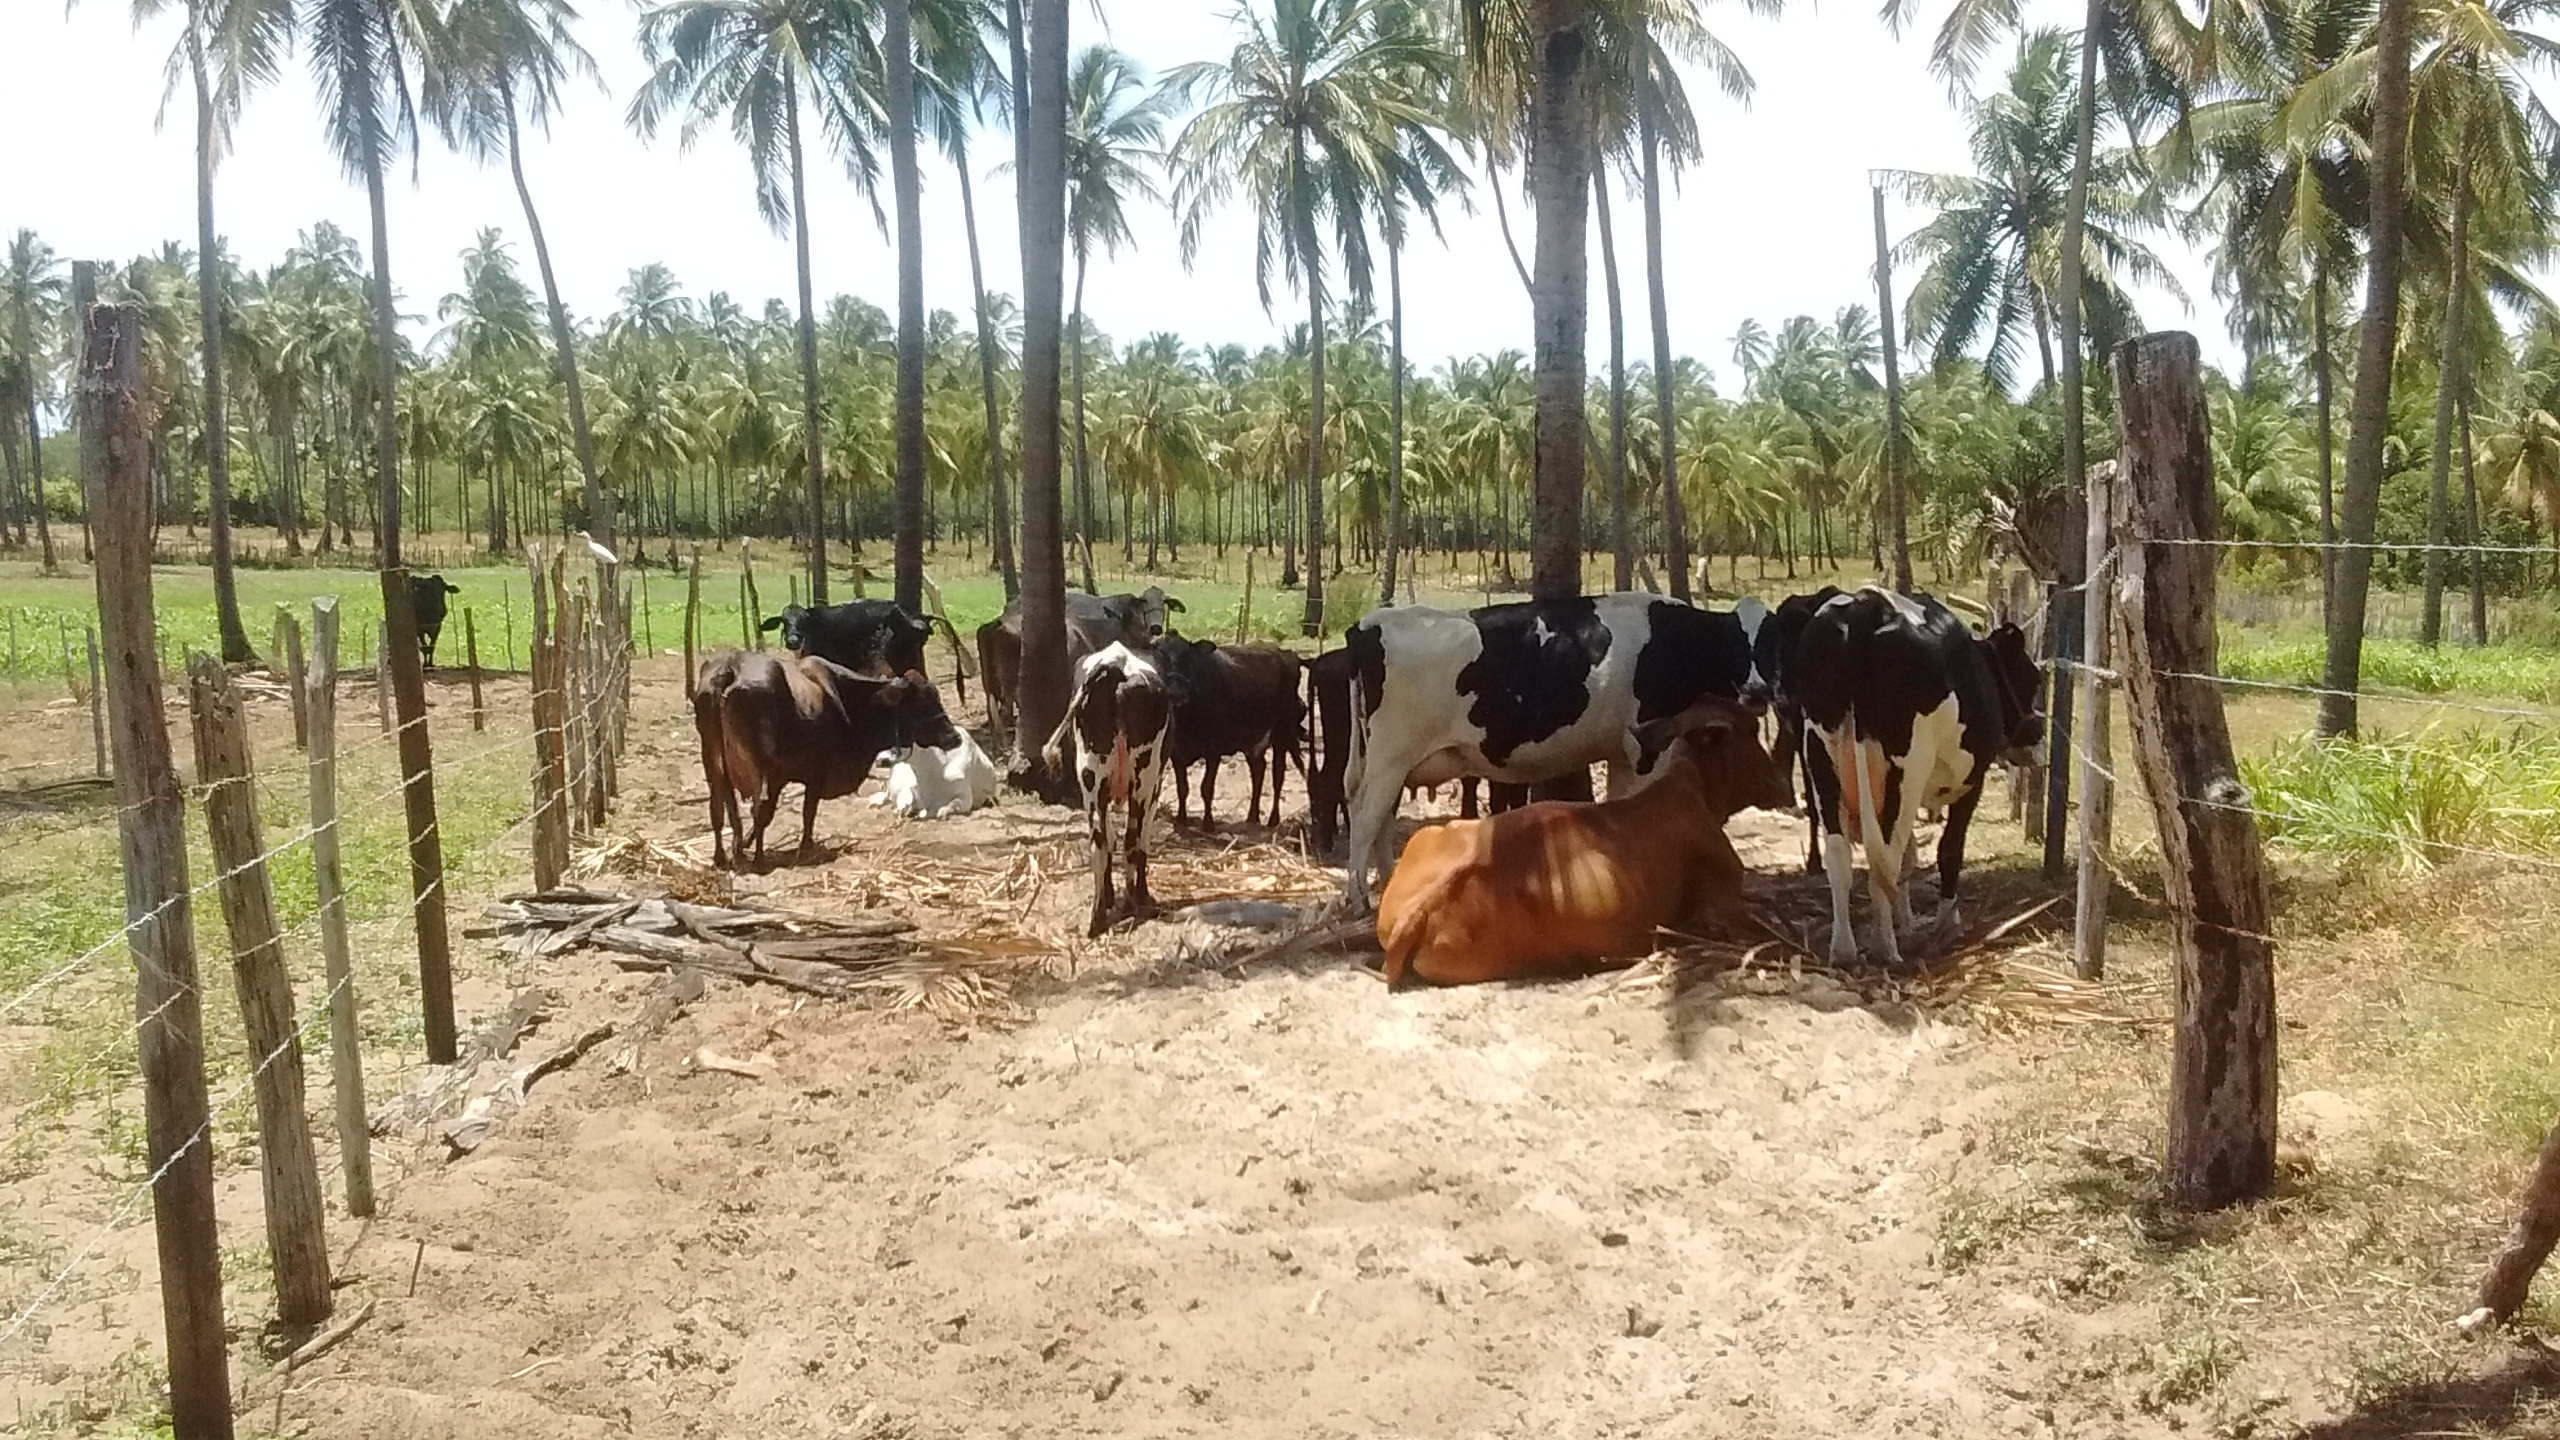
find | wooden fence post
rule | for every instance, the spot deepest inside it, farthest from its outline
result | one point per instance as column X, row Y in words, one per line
column 297, row 1233
column 645, row 638
column 382, row 673
column 507, row 615
column 408, row 686
column 1244, row 609
column 471, row 657
column 2222, row 1057
column 550, row 816
column 692, row 619
column 288, row 653
column 115, row 471
column 751, row 619
column 97, row 707
column 2097, row 795
column 346, row 1051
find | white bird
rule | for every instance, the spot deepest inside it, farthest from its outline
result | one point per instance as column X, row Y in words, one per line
column 596, row 548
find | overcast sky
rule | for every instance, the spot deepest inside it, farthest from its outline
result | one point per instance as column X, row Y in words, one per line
column 1774, row 222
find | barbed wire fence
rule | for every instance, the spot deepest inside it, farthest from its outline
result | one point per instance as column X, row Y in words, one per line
column 579, row 702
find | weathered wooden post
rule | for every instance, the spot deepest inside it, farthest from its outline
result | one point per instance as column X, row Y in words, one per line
column 329, row 886
column 2097, row 794
column 70, row 665
column 382, row 674
column 2040, row 639
column 2222, row 1057
column 646, row 641
column 550, row 816
column 115, row 472
column 1244, row 608
column 406, row 682
column 692, row 618
column 97, row 707
column 288, row 653
column 2528, row 1243
column 507, row 616
column 297, row 1233
column 471, row 657
column 751, row 620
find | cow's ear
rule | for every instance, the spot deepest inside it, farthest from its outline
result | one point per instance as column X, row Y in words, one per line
column 1176, row 606
column 771, row 622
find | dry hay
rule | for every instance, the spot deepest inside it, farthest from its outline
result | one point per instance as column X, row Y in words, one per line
column 683, row 869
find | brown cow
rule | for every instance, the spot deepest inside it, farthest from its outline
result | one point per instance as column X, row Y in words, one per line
column 1558, row 888
column 766, row 720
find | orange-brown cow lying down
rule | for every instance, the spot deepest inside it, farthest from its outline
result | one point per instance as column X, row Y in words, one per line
column 1557, row 888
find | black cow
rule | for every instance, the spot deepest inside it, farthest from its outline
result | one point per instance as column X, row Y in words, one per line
column 867, row 637
column 1093, row 621
column 1903, row 709
column 1230, row 700
column 1524, row 693
column 767, row 720
column 426, row 607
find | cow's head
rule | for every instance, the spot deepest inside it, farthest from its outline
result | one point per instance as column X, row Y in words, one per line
column 1143, row 617
column 1720, row 741
column 791, row 622
column 2021, row 684
column 916, row 712
column 900, row 640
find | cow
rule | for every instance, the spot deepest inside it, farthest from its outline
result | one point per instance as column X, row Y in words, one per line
column 1773, row 655
column 1329, row 689
column 929, row 784
column 867, row 637
column 1523, row 693
column 768, row 720
column 1904, row 708
column 426, row 608
column 1558, row 887
column 1093, row 621
column 1118, row 716
column 1230, row 700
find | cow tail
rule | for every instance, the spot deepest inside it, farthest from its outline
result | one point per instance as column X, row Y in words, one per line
column 1870, row 835
column 1355, row 754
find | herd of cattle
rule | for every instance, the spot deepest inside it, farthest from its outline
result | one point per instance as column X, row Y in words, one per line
column 1885, row 704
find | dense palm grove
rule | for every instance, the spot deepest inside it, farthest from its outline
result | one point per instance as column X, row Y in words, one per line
column 2259, row 133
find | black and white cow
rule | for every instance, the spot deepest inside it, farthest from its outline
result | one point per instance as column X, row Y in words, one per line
column 1523, row 693
column 426, row 607
column 1773, row 653
column 1093, row 621
column 1903, row 709
column 1118, row 716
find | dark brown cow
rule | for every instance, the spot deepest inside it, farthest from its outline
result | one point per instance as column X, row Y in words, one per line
column 767, row 720
column 1231, row 700
column 1093, row 621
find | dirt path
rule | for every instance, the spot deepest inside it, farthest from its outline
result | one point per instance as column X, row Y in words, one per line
column 1180, row 1200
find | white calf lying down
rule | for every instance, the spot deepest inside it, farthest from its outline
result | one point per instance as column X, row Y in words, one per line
column 929, row 784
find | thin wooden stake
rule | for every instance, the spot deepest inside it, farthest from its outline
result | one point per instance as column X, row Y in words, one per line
column 115, row 473
column 550, row 817
column 346, row 1050
column 382, row 674
column 692, row 618
column 297, row 1230
column 288, row 652
column 471, row 657
column 2097, row 794
column 97, row 706
column 418, row 806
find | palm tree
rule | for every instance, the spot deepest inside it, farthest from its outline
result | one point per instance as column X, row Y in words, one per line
column 32, row 292
column 1115, row 131
column 759, row 64
column 1424, row 171
column 1306, row 117
column 497, row 64
column 2369, row 417
column 906, row 185
column 1040, row 130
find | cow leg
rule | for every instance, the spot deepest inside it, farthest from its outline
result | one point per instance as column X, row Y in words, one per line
column 1097, row 810
column 1182, row 792
column 1951, row 857
column 1208, row 790
column 768, row 796
column 1812, row 812
column 1133, row 842
column 1467, row 798
column 808, row 819
column 1372, row 806
column 1822, row 786
column 1279, row 772
column 1253, row 805
column 1886, row 874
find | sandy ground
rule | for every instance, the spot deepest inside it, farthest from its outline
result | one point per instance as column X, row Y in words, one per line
column 1176, row 1198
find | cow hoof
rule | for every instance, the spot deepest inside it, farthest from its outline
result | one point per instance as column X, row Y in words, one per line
column 1844, row 953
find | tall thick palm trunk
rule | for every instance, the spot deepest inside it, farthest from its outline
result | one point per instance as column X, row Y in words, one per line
column 1041, row 122
column 564, row 344
column 813, row 443
column 2327, row 437
column 217, row 430
column 1675, row 530
column 1896, row 477
column 2075, row 440
column 2471, row 533
column 2449, row 366
column 2369, row 417
column 35, row 443
column 1312, row 622
column 908, row 542
column 999, row 502
column 1559, row 290
column 1622, row 540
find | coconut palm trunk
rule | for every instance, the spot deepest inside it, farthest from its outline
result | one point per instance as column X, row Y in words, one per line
column 2327, row 438
column 2471, row 505
column 1084, row 476
column 2449, row 363
column 1312, row 622
column 999, row 502
column 217, row 432
column 813, row 443
column 25, row 339
column 1559, row 291
column 1675, row 530
column 1042, row 200
column 907, row 546
column 1896, row 469
column 2369, row 416
column 1395, row 416
column 564, row 344
column 1621, row 538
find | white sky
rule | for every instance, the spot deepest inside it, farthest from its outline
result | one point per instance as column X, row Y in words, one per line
column 1774, row 222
